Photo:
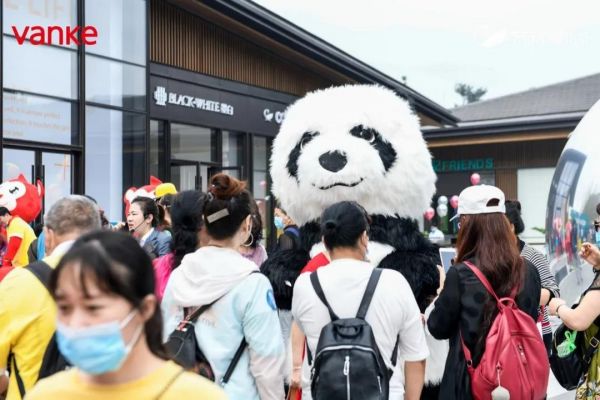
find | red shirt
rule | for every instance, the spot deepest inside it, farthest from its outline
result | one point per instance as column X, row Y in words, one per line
column 318, row 261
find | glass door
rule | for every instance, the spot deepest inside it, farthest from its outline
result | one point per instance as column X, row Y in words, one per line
column 185, row 174
column 56, row 174
column 54, row 169
column 236, row 172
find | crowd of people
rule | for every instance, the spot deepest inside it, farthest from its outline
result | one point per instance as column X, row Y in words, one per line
column 89, row 316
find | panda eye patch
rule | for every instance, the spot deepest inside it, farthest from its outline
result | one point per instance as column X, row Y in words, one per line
column 306, row 138
column 368, row 134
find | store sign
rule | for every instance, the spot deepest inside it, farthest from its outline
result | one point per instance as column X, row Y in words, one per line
column 162, row 98
column 245, row 111
column 55, row 34
column 273, row 116
column 478, row 164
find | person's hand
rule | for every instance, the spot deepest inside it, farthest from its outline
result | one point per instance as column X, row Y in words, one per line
column 442, row 272
column 3, row 382
column 119, row 226
column 296, row 379
column 590, row 253
column 554, row 304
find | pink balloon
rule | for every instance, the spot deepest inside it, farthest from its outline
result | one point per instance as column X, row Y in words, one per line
column 475, row 179
column 429, row 214
column 454, row 201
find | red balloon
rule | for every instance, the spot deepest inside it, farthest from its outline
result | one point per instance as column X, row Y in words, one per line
column 475, row 179
column 429, row 214
column 454, row 201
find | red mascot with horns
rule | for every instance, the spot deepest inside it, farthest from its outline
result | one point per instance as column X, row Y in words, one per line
column 24, row 203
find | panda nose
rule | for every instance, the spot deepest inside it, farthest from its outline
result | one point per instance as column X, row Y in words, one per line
column 333, row 161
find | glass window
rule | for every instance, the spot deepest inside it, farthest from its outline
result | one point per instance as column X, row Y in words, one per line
column 194, row 143
column 115, row 83
column 114, row 157
column 123, row 28
column 57, row 177
column 16, row 162
column 532, row 191
column 260, row 167
column 38, row 12
column 40, row 69
column 157, row 148
column 40, row 119
column 260, row 186
column 233, row 149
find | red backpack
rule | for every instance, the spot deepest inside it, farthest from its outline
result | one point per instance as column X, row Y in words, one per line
column 514, row 356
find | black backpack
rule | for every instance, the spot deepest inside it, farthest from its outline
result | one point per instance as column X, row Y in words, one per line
column 53, row 360
column 347, row 362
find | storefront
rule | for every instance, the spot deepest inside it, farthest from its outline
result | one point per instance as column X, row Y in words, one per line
column 177, row 89
column 201, row 125
column 521, row 165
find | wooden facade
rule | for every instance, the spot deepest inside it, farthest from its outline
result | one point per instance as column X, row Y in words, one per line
column 183, row 40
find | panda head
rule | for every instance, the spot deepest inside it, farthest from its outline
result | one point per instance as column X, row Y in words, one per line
column 353, row 142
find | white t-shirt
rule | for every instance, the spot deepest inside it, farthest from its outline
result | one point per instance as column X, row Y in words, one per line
column 393, row 311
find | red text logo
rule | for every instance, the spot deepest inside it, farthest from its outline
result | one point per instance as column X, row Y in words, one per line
column 54, row 34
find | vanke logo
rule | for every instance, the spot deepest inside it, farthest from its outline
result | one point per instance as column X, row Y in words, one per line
column 39, row 35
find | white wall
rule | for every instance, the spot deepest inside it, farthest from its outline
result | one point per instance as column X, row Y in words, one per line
column 533, row 186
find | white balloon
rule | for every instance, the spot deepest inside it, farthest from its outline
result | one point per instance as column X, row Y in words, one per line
column 442, row 210
column 443, row 200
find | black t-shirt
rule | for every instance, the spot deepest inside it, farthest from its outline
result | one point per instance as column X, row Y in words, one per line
column 462, row 307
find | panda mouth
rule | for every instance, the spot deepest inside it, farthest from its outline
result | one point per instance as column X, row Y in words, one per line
column 340, row 184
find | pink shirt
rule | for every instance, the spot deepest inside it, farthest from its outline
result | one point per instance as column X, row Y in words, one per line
column 162, row 272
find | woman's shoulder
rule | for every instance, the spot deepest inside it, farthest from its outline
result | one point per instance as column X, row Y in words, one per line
column 193, row 386
column 60, row 385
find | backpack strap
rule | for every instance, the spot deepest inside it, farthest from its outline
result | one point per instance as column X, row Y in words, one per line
column 12, row 361
column 234, row 362
column 42, row 272
column 194, row 315
column 368, row 296
column 314, row 279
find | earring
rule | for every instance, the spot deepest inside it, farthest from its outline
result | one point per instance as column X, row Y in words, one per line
column 249, row 243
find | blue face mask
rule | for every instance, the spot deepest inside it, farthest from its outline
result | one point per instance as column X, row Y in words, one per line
column 278, row 221
column 96, row 349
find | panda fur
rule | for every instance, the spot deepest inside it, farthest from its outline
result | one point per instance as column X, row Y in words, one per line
column 360, row 143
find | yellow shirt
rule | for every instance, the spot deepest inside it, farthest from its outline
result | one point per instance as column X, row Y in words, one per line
column 19, row 228
column 27, row 322
column 163, row 384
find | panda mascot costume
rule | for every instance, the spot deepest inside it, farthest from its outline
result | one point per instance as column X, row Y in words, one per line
column 361, row 143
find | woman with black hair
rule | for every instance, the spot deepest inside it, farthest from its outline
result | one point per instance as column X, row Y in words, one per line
column 253, row 250
column 142, row 221
column 109, row 328
column 393, row 313
column 188, row 233
column 242, row 305
column 549, row 285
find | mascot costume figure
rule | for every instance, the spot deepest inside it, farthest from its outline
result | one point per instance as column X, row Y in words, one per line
column 24, row 202
column 144, row 191
column 360, row 143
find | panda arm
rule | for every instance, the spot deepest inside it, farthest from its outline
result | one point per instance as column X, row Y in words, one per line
column 419, row 268
column 282, row 268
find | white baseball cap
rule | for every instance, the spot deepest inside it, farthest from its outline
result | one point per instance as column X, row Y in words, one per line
column 480, row 200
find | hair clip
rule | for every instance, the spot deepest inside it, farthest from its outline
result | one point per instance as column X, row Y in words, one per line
column 217, row 216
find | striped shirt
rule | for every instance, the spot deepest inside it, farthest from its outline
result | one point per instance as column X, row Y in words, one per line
column 548, row 280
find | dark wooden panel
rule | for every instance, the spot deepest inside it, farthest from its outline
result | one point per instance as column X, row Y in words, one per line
column 538, row 154
column 184, row 40
column 506, row 180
